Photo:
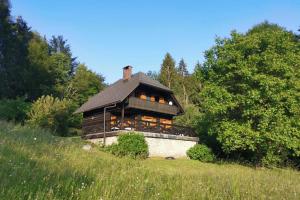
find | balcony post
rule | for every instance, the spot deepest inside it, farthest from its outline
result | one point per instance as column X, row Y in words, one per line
column 139, row 118
column 158, row 124
column 122, row 116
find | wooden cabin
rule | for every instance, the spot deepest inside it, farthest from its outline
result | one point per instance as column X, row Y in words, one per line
column 135, row 102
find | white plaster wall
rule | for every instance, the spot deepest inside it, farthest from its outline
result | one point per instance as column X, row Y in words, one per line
column 160, row 147
column 109, row 140
column 168, row 147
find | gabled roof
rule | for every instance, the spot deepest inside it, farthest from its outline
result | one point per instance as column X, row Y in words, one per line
column 118, row 91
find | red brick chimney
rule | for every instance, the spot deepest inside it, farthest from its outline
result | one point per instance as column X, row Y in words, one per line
column 127, row 71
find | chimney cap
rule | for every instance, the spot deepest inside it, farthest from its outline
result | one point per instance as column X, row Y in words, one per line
column 127, row 67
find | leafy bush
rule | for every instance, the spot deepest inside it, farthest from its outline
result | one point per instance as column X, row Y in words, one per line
column 130, row 144
column 201, row 152
column 14, row 109
column 51, row 113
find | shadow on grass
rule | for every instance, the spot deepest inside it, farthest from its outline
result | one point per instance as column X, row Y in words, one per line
column 23, row 177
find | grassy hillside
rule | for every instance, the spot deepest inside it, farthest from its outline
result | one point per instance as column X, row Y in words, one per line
column 36, row 165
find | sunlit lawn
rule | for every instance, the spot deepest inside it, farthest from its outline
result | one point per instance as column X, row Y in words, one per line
column 36, row 165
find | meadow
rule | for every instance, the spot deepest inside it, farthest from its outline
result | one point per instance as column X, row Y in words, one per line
column 37, row 165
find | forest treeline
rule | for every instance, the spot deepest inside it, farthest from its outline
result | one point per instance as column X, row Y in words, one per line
column 41, row 81
column 243, row 100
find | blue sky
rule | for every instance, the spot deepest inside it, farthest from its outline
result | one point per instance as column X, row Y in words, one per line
column 107, row 35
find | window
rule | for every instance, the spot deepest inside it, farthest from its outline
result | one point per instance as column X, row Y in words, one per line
column 143, row 96
column 161, row 100
column 152, row 98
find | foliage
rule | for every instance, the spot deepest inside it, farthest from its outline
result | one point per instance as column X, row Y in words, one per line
column 190, row 116
column 51, row 113
column 153, row 74
column 197, row 67
column 181, row 88
column 59, row 70
column 14, row 38
column 168, row 74
column 29, row 156
column 182, row 68
column 51, row 71
column 113, row 148
column 184, row 85
column 130, row 144
column 39, row 72
column 31, row 66
column 201, row 152
column 59, row 45
column 14, row 109
column 85, row 83
column 250, row 97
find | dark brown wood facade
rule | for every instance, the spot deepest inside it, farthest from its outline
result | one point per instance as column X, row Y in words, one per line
column 145, row 109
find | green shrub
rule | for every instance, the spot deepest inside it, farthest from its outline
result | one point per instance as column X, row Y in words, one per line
column 51, row 113
column 201, row 152
column 14, row 109
column 113, row 148
column 130, row 144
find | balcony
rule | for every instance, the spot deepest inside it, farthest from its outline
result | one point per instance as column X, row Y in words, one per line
column 152, row 106
column 130, row 124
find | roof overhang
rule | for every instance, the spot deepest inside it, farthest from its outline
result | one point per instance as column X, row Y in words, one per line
column 82, row 111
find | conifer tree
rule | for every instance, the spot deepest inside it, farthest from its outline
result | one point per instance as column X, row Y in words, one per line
column 182, row 68
column 168, row 71
column 58, row 44
column 197, row 66
column 182, row 80
column 14, row 39
column 5, row 34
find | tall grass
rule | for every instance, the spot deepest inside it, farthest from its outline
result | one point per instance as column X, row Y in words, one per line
column 36, row 165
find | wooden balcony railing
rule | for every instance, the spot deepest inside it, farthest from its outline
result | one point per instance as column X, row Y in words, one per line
column 147, row 126
column 152, row 106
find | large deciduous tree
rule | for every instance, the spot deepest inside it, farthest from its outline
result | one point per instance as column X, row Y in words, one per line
column 251, row 94
column 85, row 83
column 47, row 73
column 39, row 81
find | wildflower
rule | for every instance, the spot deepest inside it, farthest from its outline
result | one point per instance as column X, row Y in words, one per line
column 34, row 138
